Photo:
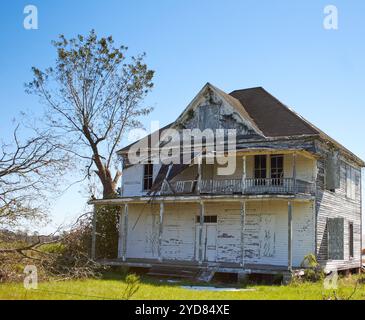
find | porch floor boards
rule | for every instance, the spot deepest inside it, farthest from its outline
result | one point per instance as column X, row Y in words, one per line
column 225, row 267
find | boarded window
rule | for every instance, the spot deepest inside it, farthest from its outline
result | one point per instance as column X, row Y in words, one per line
column 352, row 182
column 148, row 176
column 335, row 229
column 207, row 219
column 332, row 171
column 351, row 240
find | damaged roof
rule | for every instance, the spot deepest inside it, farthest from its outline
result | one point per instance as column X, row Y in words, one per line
column 268, row 115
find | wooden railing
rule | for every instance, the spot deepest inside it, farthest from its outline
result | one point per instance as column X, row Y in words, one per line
column 239, row 186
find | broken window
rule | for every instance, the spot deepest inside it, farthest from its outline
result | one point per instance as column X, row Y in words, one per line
column 335, row 236
column 351, row 239
column 260, row 169
column 148, row 176
column 277, row 169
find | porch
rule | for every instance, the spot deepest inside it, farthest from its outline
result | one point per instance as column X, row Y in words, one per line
column 222, row 267
column 249, row 186
column 251, row 234
column 255, row 173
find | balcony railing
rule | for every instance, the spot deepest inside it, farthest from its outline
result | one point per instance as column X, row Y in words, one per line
column 239, row 186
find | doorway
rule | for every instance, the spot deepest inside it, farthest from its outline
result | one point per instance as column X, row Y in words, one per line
column 209, row 238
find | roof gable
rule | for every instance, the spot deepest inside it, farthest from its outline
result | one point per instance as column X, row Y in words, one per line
column 213, row 109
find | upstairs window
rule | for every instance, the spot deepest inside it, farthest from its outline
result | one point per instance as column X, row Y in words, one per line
column 277, row 169
column 260, row 169
column 148, row 176
column 352, row 182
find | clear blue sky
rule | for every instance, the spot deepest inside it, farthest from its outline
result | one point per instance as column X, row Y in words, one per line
column 280, row 45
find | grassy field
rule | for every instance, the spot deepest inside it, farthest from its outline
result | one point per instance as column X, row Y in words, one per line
column 113, row 288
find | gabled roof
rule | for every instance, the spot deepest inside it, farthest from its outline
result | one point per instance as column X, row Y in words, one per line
column 272, row 117
column 264, row 113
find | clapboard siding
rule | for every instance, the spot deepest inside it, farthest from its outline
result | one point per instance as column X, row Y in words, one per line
column 266, row 231
column 337, row 205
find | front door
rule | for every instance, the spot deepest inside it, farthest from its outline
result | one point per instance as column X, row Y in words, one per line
column 209, row 241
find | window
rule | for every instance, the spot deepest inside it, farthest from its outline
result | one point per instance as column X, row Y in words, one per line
column 260, row 169
column 207, row 219
column 351, row 240
column 277, row 169
column 335, row 238
column 148, row 176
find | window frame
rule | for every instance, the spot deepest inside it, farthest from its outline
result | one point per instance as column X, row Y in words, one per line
column 147, row 181
column 279, row 171
column 351, row 240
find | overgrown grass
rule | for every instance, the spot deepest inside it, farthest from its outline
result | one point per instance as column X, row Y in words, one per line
column 112, row 287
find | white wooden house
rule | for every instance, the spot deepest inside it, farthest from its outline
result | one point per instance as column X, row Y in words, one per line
column 294, row 191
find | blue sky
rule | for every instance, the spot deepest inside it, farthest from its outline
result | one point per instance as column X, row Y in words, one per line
column 280, row 45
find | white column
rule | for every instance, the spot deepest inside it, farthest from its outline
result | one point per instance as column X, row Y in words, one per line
column 93, row 235
column 290, row 235
column 160, row 230
column 295, row 172
column 125, row 232
column 199, row 174
column 121, row 233
column 243, row 216
column 244, row 174
column 201, row 225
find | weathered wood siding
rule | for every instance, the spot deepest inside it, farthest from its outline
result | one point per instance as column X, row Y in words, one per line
column 266, row 240
column 337, row 205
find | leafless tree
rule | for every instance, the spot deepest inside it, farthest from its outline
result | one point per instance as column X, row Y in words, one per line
column 92, row 95
column 27, row 169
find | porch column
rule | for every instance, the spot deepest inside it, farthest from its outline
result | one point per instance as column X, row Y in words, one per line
column 243, row 216
column 121, row 233
column 125, row 232
column 290, row 235
column 201, row 225
column 93, row 235
column 199, row 175
column 295, row 172
column 244, row 174
column 160, row 230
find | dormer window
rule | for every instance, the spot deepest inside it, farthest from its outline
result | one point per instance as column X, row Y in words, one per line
column 148, row 176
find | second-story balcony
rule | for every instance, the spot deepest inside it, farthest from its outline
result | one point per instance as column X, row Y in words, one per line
column 249, row 186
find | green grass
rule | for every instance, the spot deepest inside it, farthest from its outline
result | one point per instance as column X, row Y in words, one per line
column 113, row 288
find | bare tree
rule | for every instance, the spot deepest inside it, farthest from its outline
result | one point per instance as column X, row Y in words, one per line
column 27, row 169
column 92, row 95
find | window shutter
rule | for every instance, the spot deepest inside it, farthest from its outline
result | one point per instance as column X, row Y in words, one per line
column 335, row 229
column 332, row 171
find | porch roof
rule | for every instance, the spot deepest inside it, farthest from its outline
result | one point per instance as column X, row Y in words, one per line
column 198, row 198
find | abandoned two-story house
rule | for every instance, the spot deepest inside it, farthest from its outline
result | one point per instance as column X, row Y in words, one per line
column 294, row 191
